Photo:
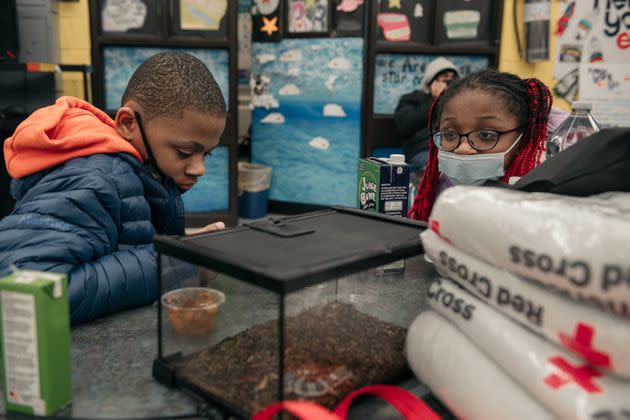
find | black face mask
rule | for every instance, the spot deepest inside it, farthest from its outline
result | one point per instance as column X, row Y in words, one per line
column 151, row 163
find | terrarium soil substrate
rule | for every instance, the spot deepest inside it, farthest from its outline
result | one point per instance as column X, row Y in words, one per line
column 330, row 350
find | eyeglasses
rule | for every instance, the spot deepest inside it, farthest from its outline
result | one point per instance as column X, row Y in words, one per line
column 480, row 140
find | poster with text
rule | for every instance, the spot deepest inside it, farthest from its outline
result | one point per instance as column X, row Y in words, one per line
column 589, row 32
column 398, row 74
column 306, row 120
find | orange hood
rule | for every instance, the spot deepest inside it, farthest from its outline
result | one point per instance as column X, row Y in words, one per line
column 52, row 135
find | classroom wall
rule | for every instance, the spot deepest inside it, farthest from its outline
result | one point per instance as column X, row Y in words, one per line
column 74, row 43
column 508, row 54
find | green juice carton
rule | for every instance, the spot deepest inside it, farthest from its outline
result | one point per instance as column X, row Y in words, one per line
column 384, row 188
column 35, row 345
column 384, row 185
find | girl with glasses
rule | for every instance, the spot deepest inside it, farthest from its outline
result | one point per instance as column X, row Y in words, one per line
column 487, row 126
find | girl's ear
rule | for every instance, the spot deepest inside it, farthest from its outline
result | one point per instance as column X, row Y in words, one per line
column 126, row 124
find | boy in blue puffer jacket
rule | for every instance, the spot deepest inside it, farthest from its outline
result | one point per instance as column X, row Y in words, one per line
column 92, row 192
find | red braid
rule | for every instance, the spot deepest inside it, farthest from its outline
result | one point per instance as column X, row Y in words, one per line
column 535, row 133
column 423, row 202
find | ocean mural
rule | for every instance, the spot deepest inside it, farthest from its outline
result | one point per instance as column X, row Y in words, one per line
column 398, row 74
column 306, row 119
column 212, row 191
column 121, row 62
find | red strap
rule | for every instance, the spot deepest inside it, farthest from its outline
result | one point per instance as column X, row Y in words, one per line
column 305, row 410
column 407, row 404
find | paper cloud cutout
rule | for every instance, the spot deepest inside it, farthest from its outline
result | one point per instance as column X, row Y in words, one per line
column 340, row 63
column 273, row 118
column 333, row 110
column 291, row 55
column 265, row 58
column 319, row 143
column 289, row 89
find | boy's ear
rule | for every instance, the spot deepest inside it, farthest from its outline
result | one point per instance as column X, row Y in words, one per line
column 126, row 124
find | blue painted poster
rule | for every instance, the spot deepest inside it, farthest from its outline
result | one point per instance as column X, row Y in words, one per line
column 398, row 74
column 306, row 120
column 212, row 191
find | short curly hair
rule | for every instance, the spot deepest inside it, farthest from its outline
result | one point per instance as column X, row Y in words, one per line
column 170, row 82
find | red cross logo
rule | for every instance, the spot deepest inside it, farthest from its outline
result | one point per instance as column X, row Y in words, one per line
column 582, row 376
column 582, row 344
column 435, row 227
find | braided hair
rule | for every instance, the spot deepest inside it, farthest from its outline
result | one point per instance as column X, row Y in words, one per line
column 528, row 99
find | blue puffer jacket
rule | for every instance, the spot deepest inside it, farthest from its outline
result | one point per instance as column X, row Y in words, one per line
column 91, row 217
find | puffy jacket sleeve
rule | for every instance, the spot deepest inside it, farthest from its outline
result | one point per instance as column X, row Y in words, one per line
column 91, row 221
column 412, row 113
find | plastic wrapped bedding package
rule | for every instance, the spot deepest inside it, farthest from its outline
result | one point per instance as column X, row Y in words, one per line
column 468, row 382
column 577, row 327
column 561, row 382
column 576, row 245
column 531, row 315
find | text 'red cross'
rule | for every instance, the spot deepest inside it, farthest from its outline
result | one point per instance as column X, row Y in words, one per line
column 580, row 375
column 582, row 344
column 435, row 227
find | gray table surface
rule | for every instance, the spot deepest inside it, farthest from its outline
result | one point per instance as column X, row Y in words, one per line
column 112, row 359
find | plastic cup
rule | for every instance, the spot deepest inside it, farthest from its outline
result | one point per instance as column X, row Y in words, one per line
column 192, row 310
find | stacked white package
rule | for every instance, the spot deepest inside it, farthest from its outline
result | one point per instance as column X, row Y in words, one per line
column 564, row 384
column 600, row 338
column 462, row 377
column 578, row 245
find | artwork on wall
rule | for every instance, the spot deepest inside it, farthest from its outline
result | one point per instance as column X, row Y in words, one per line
column 201, row 15
column 464, row 21
column 266, row 21
column 398, row 74
column 306, row 121
column 348, row 17
column 307, row 16
column 130, row 16
column 409, row 20
column 205, row 18
column 212, row 191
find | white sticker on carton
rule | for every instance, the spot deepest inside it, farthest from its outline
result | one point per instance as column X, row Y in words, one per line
column 21, row 357
column 28, row 276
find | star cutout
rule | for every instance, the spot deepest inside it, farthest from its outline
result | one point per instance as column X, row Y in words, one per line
column 394, row 4
column 269, row 25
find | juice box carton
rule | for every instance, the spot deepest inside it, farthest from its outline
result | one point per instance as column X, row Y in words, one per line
column 35, row 345
column 384, row 188
column 384, row 185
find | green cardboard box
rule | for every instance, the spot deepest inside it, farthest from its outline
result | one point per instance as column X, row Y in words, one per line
column 383, row 185
column 35, row 345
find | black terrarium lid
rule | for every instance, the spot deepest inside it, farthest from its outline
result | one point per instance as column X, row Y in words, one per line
column 293, row 252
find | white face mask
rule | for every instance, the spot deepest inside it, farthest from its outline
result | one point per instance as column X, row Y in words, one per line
column 473, row 169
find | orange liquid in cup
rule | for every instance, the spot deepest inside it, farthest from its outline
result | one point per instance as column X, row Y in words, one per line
column 192, row 311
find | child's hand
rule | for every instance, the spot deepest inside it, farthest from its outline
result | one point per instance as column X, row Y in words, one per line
column 437, row 87
column 212, row 227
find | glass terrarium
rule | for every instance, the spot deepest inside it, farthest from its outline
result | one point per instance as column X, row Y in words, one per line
column 291, row 308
